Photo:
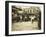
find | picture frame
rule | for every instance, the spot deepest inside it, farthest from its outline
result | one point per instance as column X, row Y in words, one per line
column 24, row 18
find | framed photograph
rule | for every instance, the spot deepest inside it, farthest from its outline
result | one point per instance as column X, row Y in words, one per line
column 24, row 18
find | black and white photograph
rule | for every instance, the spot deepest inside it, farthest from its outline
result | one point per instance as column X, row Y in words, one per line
column 24, row 18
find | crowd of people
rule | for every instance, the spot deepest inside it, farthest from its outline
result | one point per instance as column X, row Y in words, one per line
column 19, row 17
